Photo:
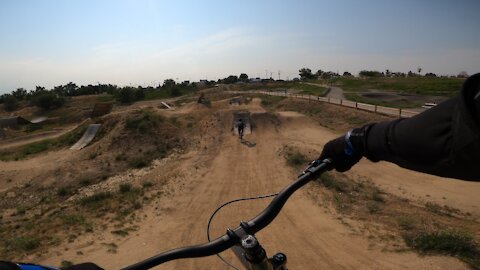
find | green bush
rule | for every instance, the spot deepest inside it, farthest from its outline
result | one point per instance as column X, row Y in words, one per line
column 448, row 242
column 125, row 187
column 72, row 219
column 65, row 264
column 126, row 95
column 94, row 199
column 23, row 243
column 147, row 184
column 295, row 158
column 329, row 181
column 139, row 94
column 406, row 223
column 377, row 196
column 48, row 100
column 144, row 122
column 139, row 163
column 65, row 191
column 35, row 147
column 10, row 103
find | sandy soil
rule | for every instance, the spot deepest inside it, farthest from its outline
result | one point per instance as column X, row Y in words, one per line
column 18, row 173
column 224, row 169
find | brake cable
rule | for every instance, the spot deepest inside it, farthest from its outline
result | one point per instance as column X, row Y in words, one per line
column 225, row 204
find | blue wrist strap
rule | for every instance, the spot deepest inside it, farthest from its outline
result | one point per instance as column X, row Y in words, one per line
column 349, row 151
column 26, row 266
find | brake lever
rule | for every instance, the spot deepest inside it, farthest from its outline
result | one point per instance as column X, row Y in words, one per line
column 314, row 164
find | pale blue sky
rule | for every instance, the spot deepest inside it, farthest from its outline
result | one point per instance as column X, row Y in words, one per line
column 123, row 42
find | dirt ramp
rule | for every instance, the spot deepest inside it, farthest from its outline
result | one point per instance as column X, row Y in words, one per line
column 264, row 121
column 101, row 108
column 87, row 137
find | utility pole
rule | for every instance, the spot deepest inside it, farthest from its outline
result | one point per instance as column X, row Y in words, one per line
column 279, row 75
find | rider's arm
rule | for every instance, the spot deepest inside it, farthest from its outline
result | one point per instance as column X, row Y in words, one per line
column 444, row 140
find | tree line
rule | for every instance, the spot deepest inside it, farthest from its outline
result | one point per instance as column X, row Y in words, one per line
column 306, row 74
column 48, row 99
column 53, row 98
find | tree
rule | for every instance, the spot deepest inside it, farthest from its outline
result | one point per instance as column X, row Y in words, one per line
column 126, row 95
column 47, row 100
column 10, row 103
column 139, row 94
column 243, row 77
column 20, row 93
column 347, row 74
column 168, row 83
column 419, row 69
column 319, row 73
column 175, row 92
column 462, row 74
column 230, row 79
column 370, row 73
column 71, row 89
column 305, row 73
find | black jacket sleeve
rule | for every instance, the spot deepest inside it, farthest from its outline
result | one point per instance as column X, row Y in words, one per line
column 444, row 140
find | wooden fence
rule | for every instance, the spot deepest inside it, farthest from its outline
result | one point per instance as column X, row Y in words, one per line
column 342, row 102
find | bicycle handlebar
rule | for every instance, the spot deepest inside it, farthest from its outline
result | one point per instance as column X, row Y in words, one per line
column 232, row 236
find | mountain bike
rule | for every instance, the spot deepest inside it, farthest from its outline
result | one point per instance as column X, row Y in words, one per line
column 242, row 239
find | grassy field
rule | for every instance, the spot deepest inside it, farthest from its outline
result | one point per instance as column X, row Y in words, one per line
column 299, row 87
column 309, row 89
column 403, row 103
column 414, row 85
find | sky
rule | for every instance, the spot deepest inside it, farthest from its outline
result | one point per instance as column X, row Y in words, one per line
column 143, row 42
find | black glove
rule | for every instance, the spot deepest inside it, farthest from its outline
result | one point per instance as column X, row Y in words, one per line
column 84, row 266
column 345, row 151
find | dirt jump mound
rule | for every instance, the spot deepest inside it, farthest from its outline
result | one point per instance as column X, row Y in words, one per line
column 101, row 108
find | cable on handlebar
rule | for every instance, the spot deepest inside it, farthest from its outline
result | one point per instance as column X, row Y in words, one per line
column 251, row 227
column 225, row 204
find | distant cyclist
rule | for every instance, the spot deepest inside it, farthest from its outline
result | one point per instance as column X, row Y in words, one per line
column 241, row 127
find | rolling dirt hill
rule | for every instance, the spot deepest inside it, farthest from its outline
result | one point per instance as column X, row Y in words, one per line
column 187, row 187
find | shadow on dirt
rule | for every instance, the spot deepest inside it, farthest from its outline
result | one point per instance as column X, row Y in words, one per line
column 248, row 143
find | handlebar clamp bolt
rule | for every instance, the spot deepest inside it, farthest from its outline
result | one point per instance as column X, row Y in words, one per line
column 249, row 242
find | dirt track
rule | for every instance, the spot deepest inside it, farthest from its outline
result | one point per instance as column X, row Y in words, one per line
column 223, row 169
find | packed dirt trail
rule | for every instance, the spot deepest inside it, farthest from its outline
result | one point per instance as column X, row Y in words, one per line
column 25, row 170
column 226, row 170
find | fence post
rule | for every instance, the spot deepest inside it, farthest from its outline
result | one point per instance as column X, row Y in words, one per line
column 400, row 112
column 375, row 108
column 356, row 105
column 341, row 101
